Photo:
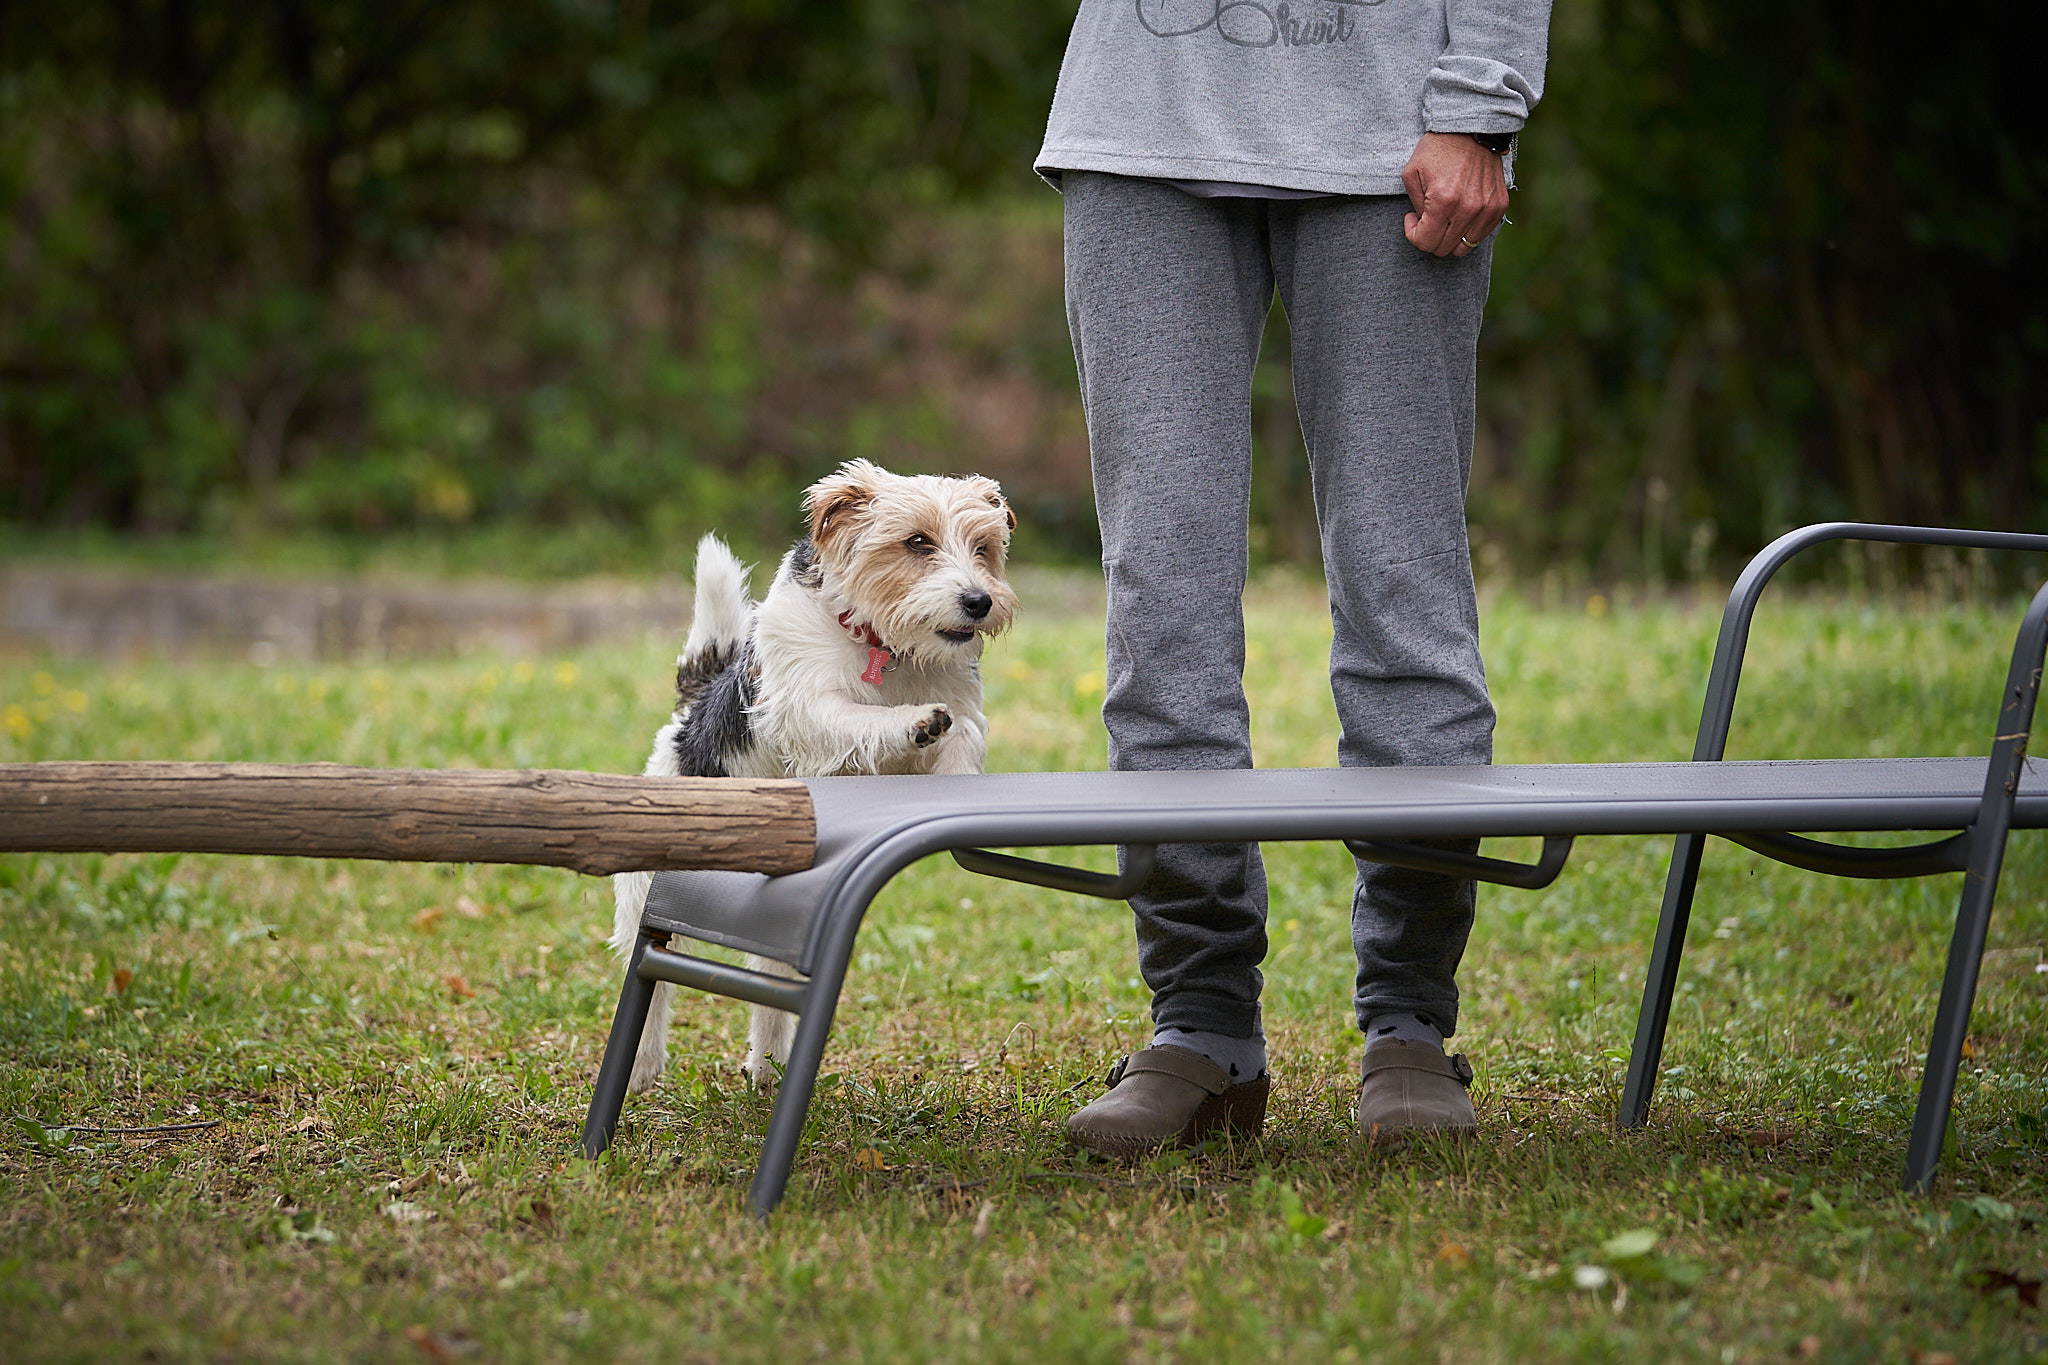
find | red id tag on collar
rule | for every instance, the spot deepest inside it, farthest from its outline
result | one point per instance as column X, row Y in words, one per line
column 878, row 659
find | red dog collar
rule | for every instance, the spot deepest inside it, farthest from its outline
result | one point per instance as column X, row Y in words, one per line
column 879, row 655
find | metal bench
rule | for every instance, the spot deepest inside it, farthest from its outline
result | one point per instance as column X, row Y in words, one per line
column 870, row 828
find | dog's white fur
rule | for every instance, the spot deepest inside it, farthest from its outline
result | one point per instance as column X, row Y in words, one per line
column 911, row 558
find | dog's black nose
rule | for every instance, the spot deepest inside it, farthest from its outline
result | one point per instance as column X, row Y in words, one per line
column 976, row 604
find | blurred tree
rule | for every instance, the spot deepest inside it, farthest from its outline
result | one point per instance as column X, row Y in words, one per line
column 613, row 262
column 1774, row 262
column 196, row 194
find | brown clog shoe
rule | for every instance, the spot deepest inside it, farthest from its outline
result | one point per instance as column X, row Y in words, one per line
column 1167, row 1095
column 1413, row 1088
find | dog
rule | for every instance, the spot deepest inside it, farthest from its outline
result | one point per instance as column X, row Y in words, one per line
column 864, row 658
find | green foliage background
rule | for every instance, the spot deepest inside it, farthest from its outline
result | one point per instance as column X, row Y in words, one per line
column 592, row 277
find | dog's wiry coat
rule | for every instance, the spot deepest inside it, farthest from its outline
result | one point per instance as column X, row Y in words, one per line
column 863, row 658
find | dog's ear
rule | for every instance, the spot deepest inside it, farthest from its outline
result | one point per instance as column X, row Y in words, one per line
column 835, row 501
column 991, row 492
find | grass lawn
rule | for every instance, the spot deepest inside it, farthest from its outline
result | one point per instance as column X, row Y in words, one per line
column 395, row 1060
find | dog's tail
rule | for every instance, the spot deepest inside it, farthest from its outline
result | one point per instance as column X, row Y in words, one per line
column 719, row 626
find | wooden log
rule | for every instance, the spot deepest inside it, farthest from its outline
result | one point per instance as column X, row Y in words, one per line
column 593, row 822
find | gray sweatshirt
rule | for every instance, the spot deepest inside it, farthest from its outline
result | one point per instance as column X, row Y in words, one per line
column 1328, row 96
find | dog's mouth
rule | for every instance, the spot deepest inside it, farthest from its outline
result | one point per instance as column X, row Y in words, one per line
column 958, row 635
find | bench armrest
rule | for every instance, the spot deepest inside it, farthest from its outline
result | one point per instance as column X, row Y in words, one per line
column 1718, row 713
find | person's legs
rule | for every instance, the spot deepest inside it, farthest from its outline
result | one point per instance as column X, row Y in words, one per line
column 1167, row 296
column 1385, row 354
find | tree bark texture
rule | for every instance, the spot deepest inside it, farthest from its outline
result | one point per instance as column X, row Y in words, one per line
column 592, row 822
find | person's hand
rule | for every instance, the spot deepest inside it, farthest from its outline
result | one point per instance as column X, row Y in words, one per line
column 1460, row 193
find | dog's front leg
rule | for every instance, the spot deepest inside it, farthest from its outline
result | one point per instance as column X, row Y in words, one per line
column 837, row 733
column 964, row 749
column 770, row 1032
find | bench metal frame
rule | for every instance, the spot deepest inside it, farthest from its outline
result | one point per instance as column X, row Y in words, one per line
column 870, row 828
column 1978, row 851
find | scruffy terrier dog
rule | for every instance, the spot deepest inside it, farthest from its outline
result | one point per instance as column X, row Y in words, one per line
column 863, row 658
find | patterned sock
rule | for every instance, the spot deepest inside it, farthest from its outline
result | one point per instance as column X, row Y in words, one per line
column 1243, row 1058
column 1405, row 1027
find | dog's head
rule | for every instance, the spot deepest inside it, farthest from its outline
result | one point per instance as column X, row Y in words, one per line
column 919, row 557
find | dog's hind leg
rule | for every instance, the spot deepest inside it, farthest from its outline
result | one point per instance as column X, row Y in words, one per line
column 629, row 898
column 770, row 1032
column 652, row 1057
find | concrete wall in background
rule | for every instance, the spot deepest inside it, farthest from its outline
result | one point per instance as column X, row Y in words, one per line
column 80, row 612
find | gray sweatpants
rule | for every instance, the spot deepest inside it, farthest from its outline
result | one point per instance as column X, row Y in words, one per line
column 1167, row 297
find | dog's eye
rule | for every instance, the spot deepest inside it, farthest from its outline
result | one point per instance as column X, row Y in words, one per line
column 920, row 544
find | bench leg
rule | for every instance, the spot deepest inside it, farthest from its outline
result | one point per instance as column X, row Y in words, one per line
column 1980, row 887
column 1660, row 982
column 793, row 1095
column 1951, row 1021
column 635, row 998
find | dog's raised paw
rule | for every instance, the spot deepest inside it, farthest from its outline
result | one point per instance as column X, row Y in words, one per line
column 930, row 726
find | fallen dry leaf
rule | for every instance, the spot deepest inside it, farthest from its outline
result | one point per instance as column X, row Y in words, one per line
column 439, row 1347
column 122, row 979
column 868, row 1159
column 536, row 1213
column 257, row 1153
column 469, row 909
column 404, row 1211
column 1454, row 1256
column 1969, row 1047
column 309, row 1123
column 458, row 988
column 427, row 920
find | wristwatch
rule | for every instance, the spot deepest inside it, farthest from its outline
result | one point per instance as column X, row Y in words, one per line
column 1500, row 144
